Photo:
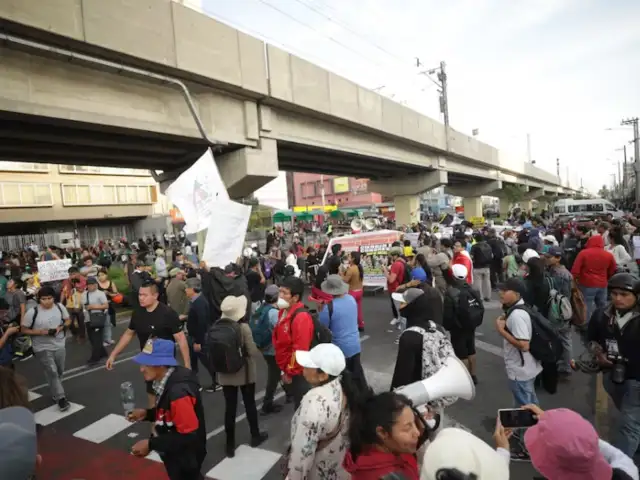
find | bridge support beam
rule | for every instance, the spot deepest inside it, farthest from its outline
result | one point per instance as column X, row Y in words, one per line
column 526, row 205
column 472, row 207
column 489, row 188
column 533, row 192
column 245, row 170
column 405, row 191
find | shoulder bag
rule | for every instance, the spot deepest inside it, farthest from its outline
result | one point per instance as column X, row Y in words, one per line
column 97, row 318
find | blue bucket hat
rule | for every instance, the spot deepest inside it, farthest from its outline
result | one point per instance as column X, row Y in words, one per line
column 157, row 353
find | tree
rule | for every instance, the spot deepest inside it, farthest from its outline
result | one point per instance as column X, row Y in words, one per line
column 513, row 193
column 604, row 192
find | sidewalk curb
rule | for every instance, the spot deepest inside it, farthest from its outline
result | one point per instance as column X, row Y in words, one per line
column 124, row 313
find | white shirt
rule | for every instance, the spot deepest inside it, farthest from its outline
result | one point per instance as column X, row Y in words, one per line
column 520, row 365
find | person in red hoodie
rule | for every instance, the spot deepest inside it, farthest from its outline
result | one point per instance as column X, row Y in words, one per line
column 592, row 269
column 384, row 436
column 294, row 331
column 461, row 257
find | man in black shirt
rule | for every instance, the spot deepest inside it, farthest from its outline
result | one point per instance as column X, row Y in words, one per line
column 256, row 283
column 152, row 320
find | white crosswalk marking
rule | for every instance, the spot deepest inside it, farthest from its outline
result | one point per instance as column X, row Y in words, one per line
column 247, row 463
column 33, row 396
column 104, row 428
column 154, row 456
column 52, row 414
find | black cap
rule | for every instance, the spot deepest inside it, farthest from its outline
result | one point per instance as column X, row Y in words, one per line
column 514, row 284
column 92, row 281
column 554, row 251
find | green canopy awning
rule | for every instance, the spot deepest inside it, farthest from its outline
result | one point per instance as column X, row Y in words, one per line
column 352, row 213
column 336, row 214
column 281, row 217
column 305, row 217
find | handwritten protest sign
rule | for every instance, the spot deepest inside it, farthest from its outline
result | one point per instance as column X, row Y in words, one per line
column 52, row 270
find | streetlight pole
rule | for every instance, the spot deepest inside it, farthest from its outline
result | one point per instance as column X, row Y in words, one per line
column 636, row 143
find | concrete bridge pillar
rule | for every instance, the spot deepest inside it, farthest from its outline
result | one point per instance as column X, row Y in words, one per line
column 526, row 205
column 407, row 209
column 405, row 191
column 505, row 206
column 472, row 207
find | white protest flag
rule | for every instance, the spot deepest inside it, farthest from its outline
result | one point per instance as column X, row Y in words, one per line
column 196, row 191
column 225, row 236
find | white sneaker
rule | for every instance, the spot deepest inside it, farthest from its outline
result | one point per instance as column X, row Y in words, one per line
column 105, row 344
column 394, row 321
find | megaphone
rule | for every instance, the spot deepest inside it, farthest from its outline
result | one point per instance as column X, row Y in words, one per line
column 371, row 223
column 452, row 380
column 356, row 224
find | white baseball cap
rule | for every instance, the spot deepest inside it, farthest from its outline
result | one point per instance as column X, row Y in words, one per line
column 408, row 296
column 325, row 356
column 528, row 254
column 459, row 271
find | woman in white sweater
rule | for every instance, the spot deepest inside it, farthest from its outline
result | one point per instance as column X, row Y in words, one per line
column 617, row 247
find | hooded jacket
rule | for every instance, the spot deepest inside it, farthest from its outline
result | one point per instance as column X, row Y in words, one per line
column 179, row 422
column 465, row 261
column 373, row 464
column 594, row 265
column 216, row 285
column 294, row 331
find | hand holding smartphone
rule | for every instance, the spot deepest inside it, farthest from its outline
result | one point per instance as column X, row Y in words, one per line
column 517, row 418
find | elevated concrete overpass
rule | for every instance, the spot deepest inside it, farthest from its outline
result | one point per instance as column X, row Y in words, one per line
column 151, row 84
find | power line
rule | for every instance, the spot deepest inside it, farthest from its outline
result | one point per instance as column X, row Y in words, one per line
column 311, row 27
column 351, row 30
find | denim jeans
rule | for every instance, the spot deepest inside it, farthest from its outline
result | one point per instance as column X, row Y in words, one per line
column 53, row 364
column 523, row 392
column 564, row 363
column 594, row 297
column 626, row 398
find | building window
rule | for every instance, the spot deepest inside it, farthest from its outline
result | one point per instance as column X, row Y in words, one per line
column 25, row 195
column 92, row 170
column 76, row 195
column 23, row 167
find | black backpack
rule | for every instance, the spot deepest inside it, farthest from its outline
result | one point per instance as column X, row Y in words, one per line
column 483, row 254
column 470, row 309
column 545, row 345
column 224, row 349
column 321, row 334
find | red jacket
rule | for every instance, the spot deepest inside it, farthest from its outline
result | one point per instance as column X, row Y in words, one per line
column 373, row 464
column 594, row 265
column 291, row 336
column 462, row 259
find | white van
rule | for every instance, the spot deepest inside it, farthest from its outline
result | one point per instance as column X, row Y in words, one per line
column 588, row 207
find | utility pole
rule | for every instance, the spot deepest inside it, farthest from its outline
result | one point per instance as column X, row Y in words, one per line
column 529, row 148
column 443, row 90
column 636, row 144
column 558, row 167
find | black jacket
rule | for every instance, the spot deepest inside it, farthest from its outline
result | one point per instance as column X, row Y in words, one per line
column 216, row 286
column 181, row 436
column 603, row 327
column 408, row 367
column 481, row 260
column 199, row 319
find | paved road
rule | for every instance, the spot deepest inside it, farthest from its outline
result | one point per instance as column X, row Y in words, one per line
column 96, row 438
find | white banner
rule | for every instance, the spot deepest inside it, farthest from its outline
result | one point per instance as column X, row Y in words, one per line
column 52, row 270
column 225, row 236
column 196, row 191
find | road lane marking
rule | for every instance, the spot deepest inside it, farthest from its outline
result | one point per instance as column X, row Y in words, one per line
column 84, row 370
column 52, row 414
column 103, row 429
column 259, row 396
column 489, row 348
column 248, row 462
column 33, row 396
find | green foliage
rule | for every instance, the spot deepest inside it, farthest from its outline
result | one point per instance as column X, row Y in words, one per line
column 119, row 277
column 497, row 221
column 604, row 192
column 513, row 193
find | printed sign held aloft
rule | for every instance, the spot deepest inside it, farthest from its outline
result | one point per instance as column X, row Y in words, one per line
column 52, row 270
column 196, row 191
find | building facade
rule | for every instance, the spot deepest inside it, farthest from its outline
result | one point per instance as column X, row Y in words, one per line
column 45, row 198
column 306, row 190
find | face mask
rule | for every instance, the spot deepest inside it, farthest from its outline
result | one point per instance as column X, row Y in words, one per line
column 282, row 304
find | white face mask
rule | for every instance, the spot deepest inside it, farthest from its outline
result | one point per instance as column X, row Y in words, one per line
column 282, row 303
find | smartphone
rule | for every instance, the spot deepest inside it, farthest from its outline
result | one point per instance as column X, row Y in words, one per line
column 516, row 418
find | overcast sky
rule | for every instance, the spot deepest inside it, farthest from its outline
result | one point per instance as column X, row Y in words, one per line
column 561, row 70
